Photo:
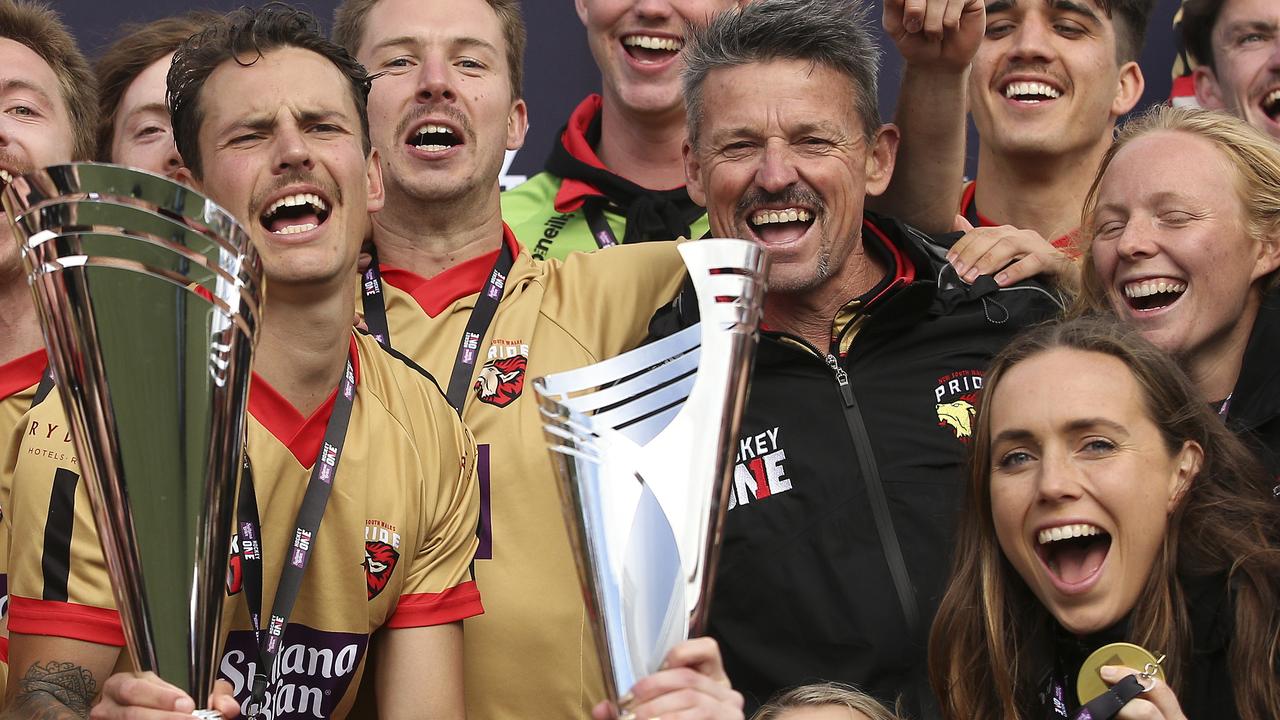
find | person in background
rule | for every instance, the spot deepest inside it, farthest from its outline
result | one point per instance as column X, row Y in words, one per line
column 133, row 122
column 1235, row 45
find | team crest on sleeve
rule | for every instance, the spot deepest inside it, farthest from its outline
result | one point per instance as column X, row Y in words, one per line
column 501, row 379
column 956, row 402
column 381, row 553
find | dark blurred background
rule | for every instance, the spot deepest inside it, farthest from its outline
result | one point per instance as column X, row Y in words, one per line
column 559, row 70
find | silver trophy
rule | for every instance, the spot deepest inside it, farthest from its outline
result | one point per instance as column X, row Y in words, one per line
column 149, row 298
column 644, row 448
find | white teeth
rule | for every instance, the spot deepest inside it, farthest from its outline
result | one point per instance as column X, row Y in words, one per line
column 295, row 200
column 434, row 148
column 765, row 217
column 1272, row 98
column 295, row 229
column 1066, row 532
column 1035, row 89
column 650, row 42
column 434, row 129
column 1151, row 287
column 5, row 177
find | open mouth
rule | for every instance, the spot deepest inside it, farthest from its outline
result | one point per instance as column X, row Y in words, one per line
column 435, row 138
column 1073, row 553
column 1271, row 105
column 1030, row 92
column 293, row 214
column 778, row 225
column 1154, row 294
column 651, row 49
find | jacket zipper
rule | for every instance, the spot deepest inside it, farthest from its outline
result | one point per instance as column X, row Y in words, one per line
column 889, row 543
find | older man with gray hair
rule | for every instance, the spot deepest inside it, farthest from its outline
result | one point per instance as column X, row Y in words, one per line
column 849, row 462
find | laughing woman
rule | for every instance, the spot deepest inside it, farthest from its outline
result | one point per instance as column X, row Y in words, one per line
column 1182, row 228
column 1107, row 503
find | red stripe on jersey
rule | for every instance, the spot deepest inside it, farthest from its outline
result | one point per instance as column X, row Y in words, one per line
column 19, row 374
column 63, row 619
column 4, row 650
column 426, row 609
column 302, row 435
column 435, row 294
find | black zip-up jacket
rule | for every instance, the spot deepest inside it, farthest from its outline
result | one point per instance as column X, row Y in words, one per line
column 805, row 590
column 1254, row 409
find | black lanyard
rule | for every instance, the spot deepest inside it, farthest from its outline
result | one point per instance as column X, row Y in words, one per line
column 42, row 390
column 601, row 231
column 307, row 527
column 1103, row 707
column 375, row 318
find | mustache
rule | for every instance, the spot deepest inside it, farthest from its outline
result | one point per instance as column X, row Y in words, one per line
column 1032, row 68
column 295, row 177
column 420, row 111
column 791, row 195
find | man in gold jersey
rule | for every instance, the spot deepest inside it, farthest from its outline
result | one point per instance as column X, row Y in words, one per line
column 329, row 409
column 47, row 109
column 454, row 290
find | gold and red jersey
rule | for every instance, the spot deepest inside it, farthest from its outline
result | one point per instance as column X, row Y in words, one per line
column 19, row 380
column 394, row 549
column 532, row 654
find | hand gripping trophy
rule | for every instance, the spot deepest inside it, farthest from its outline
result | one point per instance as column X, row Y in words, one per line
column 149, row 297
column 644, row 448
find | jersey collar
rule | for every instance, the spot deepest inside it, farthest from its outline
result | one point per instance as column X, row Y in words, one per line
column 969, row 209
column 436, row 293
column 21, row 373
column 302, row 435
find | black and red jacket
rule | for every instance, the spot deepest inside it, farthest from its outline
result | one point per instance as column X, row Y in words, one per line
column 805, row 590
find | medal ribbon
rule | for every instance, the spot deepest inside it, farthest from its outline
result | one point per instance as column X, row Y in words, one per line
column 375, row 314
column 306, row 529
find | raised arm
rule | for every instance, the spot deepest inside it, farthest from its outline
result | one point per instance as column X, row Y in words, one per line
column 937, row 40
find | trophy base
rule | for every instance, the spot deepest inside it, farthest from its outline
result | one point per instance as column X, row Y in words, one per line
column 207, row 715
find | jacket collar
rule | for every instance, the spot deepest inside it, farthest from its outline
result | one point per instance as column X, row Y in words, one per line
column 1256, row 396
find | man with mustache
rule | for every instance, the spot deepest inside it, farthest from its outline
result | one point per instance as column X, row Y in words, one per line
column 849, row 460
column 1047, row 85
column 359, row 437
column 615, row 175
column 47, row 111
column 453, row 289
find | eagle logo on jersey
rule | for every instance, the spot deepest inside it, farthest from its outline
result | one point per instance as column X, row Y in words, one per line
column 501, row 380
column 956, row 402
column 379, row 562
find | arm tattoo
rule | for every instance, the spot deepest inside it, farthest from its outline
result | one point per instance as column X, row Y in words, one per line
column 56, row 690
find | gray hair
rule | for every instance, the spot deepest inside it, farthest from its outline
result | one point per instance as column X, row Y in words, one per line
column 824, row 695
column 833, row 33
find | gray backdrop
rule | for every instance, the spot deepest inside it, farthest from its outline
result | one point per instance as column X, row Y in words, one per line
column 559, row 70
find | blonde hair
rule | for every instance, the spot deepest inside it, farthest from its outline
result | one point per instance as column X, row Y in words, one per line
column 824, row 695
column 1255, row 157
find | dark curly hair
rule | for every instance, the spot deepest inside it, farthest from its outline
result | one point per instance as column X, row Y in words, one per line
column 244, row 35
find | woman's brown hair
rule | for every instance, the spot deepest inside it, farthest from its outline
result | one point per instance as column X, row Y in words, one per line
column 992, row 639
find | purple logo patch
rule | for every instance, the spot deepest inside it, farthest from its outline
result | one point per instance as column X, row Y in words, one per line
column 309, row 678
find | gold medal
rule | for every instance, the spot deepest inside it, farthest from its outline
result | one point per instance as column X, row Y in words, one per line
column 1089, row 683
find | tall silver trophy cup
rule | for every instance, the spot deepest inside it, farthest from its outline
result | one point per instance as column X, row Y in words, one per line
column 148, row 296
column 644, row 448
